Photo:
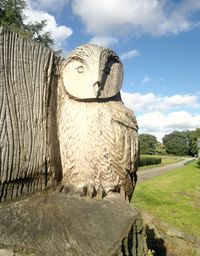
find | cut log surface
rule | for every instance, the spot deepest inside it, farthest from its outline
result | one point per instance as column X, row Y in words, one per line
column 25, row 81
column 54, row 224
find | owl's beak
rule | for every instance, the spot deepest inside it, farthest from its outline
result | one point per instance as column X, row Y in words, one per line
column 96, row 89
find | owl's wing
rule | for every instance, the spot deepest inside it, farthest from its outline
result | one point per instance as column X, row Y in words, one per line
column 122, row 145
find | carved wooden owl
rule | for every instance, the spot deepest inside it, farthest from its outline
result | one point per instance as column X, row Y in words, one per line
column 97, row 133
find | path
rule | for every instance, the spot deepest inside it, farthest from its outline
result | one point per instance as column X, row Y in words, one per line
column 157, row 171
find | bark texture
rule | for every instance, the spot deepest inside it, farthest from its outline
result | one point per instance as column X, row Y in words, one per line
column 26, row 72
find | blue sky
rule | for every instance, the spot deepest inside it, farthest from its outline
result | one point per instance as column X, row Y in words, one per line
column 158, row 42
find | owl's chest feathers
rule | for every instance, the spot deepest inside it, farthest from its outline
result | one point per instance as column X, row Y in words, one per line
column 82, row 147
column 80, row 128
column 95, row 141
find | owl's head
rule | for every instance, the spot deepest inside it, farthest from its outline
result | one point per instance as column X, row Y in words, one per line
column 92, row 72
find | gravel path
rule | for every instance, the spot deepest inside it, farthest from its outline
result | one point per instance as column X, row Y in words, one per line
column 157, row 171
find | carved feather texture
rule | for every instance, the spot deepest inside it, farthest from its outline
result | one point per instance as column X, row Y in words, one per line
column 98, row 144
column 97, row 133
column 92, row 54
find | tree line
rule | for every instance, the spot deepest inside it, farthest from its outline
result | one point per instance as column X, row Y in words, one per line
column 179, row 143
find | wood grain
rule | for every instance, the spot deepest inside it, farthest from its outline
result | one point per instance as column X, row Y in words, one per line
column 26, row 70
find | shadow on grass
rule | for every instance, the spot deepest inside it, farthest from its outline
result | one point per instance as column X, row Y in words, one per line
column 156, row 245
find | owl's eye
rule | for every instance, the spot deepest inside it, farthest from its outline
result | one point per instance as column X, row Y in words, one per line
column 80, row 69
column 107, row 70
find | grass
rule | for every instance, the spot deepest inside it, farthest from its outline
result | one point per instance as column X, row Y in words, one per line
column 173, row 197
column 165, row 160
column 171, row 159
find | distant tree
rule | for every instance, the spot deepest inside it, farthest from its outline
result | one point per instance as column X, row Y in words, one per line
column 177, row 143
column 147, row 144
column 193, row 136
column 12, row 17
column 160, row 149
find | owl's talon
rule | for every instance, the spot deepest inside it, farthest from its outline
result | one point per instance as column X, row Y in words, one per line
column 59, row 188
column 83, row 190
column 66, row 189
column 87, row 191
column 101, row 193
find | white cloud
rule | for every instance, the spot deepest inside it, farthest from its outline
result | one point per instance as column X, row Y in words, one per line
column 146, row 80
column 152, row 102
column 153, row 17
column 159, row 124
column 137, row 101
column 162, row 115
column 130, row 55
column 177, row 100
column 173, row 120
column 105, row 41
column 58, row 33
column 49, row 5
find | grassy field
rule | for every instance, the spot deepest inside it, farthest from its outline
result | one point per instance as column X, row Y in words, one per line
column 173, row 197
column 171, row 159
column 165, row 160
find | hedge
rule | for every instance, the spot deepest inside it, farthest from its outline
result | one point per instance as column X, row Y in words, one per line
column 149, row 161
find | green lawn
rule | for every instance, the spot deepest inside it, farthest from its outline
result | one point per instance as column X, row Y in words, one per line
column 173, row 197
column 165, row 160
column 171, row 159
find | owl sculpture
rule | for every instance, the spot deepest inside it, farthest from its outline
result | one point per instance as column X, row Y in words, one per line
column 97, row 133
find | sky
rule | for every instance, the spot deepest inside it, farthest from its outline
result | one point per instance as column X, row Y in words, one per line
column 158, row 42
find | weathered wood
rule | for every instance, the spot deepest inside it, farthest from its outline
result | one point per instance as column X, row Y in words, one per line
column 92, row 72
column 97, row 134
column 26, row 73
column 49, row 224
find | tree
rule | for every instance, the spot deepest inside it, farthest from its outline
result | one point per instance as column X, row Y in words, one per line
column 160, row 149
column 147, row 144
column 193, row 136
column 177, row 143
column 12, row 17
